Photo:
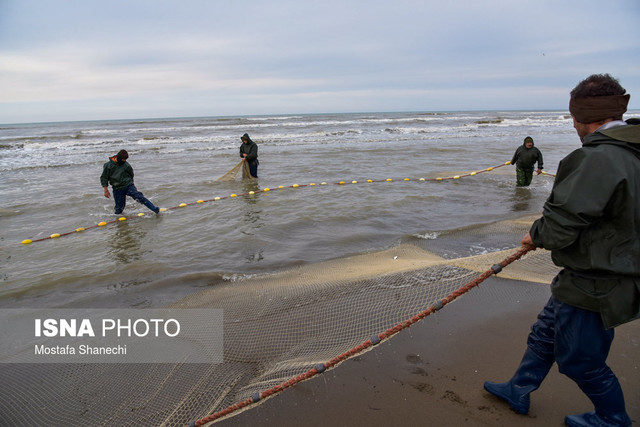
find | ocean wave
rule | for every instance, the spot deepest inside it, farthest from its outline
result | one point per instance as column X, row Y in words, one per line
column 279, row 118
column 45, row 164
column 344, row 132
column 43, row 144
column 428, row 236
column 68, row 143
column 11, row 146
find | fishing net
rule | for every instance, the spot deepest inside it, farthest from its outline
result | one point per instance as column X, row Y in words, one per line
column 245, row 172
column 277, row 327
column 233, row 172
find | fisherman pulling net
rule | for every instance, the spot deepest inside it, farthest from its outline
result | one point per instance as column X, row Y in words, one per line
column 248, row 164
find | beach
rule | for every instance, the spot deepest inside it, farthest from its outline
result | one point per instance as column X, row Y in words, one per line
column 356, row 223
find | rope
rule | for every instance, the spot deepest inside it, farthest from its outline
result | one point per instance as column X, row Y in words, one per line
column 376, row 339
column 251, row 193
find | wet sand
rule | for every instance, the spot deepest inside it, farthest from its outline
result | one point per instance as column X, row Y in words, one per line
column 432, row 373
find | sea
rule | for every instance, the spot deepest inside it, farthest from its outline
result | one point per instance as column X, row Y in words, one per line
column 319, row 204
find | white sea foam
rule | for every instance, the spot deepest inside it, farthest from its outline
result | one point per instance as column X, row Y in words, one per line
column 428, row 236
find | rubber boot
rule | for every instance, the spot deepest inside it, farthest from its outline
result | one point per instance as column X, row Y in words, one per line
column 605, row 393
column 528, row 377
column 592, row 419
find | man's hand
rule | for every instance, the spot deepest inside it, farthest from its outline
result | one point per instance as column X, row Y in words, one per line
column 527, row 242
column 539, row 171
column 106, row 192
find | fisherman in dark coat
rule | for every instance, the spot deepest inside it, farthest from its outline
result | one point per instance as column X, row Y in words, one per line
column 525, row 158
column 249, row 154
column 591, row 224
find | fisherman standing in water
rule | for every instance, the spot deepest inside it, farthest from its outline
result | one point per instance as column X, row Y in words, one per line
column 249, row 154
column 119, row 173
column 524, row 158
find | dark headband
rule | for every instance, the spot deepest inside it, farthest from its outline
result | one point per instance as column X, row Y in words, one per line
column 595, row 108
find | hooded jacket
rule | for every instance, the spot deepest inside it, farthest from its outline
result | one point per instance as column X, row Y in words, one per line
column 119, row 175
column 251, row 149
column 591, row 224
column 524, row 158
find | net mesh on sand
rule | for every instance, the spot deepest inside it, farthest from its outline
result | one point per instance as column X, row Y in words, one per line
column 276, row 326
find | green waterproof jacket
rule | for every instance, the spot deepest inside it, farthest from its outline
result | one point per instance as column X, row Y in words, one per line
column 120, row 176
column 525, row 158
column 591, row 224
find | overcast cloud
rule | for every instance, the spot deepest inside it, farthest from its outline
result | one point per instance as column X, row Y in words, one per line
column 78, row 60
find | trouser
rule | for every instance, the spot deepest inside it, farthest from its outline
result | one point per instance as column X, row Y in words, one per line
column 578, row 342
column 523, row 177
column 120, row 197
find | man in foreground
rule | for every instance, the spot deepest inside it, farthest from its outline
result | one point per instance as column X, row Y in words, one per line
column 591, row 224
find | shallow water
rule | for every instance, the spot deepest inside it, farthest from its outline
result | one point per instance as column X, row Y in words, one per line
column 49, row 183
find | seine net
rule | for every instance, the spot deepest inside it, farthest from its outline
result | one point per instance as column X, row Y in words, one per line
column 233, row 172
column 276, row 326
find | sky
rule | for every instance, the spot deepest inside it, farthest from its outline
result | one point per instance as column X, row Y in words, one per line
column 63, row 60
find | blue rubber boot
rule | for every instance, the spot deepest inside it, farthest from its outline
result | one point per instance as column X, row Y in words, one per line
column 592, row 419
column 605, row 393
column 528, row 377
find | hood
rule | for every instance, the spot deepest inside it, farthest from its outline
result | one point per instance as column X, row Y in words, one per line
column 624, row 136
column 629, row 133
column 528, row 139
column 246, row 138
